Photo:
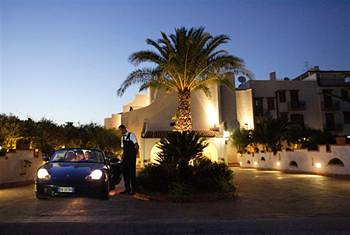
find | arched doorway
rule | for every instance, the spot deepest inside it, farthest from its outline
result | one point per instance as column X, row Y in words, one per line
column 154, row 153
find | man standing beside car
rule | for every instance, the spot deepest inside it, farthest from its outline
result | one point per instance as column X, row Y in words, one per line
column 130, row 149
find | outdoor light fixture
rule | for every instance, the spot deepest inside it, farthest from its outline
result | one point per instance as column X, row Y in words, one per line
column 278, row 163
column 255, row 163
column 95, row 175
column 318, row 165
column 226, row 134
column 43, row 174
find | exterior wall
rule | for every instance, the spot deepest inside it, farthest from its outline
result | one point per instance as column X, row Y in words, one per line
column 158, row 115
column 341, row 127
column 227, row 105
column 112, row 122
column 245, row 114
column 19, row 166
column 140, row 101
column 231, row 153
column 307, row 93
column 315, row 162
column 228, row 110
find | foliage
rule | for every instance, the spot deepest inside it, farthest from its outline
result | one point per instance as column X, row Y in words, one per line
column 10, row 130
column 241, row 138
column 3, row 151
column 269, row 133
column 184, row 61
column 218, row 177
column 181, row 168
column 48, row 136
column 272, row 134
column 307, row 137
column 178, row 149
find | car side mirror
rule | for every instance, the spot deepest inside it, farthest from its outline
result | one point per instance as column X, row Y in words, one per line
column 46, row 158
column 114, row 161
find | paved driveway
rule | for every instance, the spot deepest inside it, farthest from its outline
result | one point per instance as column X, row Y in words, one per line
column 262, row 195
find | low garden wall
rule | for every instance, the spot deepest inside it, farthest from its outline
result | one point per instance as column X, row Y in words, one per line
column 19, row 167
column 333, row 162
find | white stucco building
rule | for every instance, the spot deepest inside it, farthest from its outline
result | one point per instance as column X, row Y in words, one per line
column 302, row 99
column 150, row 117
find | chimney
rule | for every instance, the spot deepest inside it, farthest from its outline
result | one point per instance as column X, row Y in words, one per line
column 273, row 76
column 315, row 68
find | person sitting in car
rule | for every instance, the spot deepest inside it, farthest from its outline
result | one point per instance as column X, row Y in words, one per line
column 80, row 156
column 89, row 156
column 70, row 156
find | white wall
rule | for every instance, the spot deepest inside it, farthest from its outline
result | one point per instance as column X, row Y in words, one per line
column 13, row 168
column 308, row 161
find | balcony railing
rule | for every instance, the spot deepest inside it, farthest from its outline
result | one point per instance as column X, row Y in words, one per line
column 296, row 105
column 333, row 106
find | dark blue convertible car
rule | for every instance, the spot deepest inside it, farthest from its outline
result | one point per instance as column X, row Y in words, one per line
column 77, row 171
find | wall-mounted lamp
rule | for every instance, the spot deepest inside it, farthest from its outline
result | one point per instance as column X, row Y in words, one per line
column 318, row 165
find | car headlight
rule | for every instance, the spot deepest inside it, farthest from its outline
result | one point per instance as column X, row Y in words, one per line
column 43, row 174
column 95, row 175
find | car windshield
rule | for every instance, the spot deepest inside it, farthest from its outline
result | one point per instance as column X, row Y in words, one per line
column 77, row 155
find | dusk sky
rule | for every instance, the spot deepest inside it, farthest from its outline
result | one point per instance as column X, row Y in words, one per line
column 65, row 59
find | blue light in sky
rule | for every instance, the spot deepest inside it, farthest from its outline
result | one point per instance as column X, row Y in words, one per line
column 65, row 59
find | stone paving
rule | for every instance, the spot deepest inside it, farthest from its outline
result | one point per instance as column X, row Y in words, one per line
column 262, row 195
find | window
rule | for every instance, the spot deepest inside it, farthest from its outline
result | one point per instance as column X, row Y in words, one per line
column 297, row 118
column 282, row 96
column 327, row 98
column 294, row 96
column 346, row 117
column 271, row 103
column 330, row 121
column 284, row 116
column 258, row 107
column 345, row 94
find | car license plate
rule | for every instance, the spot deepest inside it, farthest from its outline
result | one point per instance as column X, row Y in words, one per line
column 65, row 189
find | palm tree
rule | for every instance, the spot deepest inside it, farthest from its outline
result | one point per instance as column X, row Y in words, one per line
column 184, row 61
column 269, row 132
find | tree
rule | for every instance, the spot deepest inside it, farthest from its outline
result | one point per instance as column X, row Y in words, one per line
column 177, row 149
column 10, row 130
column 269, row 133
column 241, row 138
column 184, row 61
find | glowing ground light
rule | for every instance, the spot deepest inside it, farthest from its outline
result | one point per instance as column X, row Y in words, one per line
column 255, row 163
column 318, row 165
column 278, row 163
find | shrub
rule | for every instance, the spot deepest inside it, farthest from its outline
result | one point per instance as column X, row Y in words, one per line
column 173, row 174
column 210, row 176
column 3, row 151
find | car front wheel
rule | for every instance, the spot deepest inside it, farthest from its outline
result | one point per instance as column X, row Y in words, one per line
column 41, row 196
column 104, row 195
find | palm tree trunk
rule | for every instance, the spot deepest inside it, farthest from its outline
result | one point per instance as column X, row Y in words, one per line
column 183, row 111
